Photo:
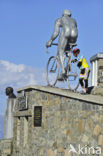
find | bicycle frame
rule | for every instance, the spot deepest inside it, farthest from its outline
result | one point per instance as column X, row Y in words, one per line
column 70, row 68
column 68, row 56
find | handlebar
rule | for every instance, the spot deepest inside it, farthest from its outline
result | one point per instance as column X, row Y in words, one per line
column 55, row 44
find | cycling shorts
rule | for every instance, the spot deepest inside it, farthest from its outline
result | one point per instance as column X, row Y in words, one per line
column 84, row 74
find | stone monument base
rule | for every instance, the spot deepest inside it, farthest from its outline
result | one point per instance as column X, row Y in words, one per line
column 56, row 122
column 97, row 91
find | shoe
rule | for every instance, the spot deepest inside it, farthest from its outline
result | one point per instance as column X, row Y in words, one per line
column 83, row 91
column 87, row 91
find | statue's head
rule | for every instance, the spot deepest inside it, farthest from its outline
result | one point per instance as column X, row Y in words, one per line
column 9, row 92
column 67, row 12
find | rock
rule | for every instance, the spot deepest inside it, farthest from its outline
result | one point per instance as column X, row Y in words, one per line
column 100, row 140
column 101, row 119
column 55, row 145
column 80, row 125
column 97, row 91
column 51, row 153
column 85, row 139
column 60, row 149
column 67, row 153
column 50, row 102
column 90, row 124
column 97, row 130
column 102, row 130
column 68, row 132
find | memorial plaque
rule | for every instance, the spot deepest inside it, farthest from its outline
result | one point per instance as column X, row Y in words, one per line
column 23, row 103
column 37, row 116
column 100, row 67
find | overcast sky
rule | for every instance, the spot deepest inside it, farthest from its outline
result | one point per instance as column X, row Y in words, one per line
column 26, row 25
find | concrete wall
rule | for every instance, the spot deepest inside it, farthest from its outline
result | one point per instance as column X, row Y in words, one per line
column 67, row 119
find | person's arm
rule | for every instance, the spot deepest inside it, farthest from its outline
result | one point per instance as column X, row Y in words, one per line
column 74, row 60
column 55, row 33
column 79, row 64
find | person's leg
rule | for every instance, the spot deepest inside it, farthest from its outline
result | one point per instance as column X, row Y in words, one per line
column 86, row 84
column 84, row 74
column 81, row 83
column 86, row 78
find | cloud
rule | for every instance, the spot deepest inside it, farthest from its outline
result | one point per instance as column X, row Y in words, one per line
column 18, row 75
column 12, row 67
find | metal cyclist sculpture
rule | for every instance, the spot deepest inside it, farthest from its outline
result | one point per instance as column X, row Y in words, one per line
column 68, row 35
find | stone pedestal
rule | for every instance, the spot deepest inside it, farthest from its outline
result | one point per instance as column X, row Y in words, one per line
column 97, row 70
column 97, row 91
column 55, row 119
column 8, row 125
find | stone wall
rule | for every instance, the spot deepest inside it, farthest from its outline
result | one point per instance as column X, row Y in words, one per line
column 6, row 147
column 68, row 120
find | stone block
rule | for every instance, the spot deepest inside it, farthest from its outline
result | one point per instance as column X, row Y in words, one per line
column 60, row 149
column 101, row 119
column 102, row 130
column 67, row 153
column 58, row 101
column 97, row 130
column 68, row 132
column 85, row 138
column 51, row 152
column 80, row 125
column 100, row 140
column 7, row 151
column 97, row 91
column 90, row 124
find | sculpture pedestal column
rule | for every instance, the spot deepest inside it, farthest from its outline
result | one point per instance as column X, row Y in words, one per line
column 8, row 125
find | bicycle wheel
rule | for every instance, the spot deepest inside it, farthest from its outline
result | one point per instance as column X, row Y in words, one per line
column 73, row 77
column 52, row 71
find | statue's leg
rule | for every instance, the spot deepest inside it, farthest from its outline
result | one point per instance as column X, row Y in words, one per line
column 61, row 49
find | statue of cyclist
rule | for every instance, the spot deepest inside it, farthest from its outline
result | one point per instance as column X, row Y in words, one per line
column 68, row 34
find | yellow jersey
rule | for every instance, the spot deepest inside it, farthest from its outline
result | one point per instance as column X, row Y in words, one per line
column 83, row 62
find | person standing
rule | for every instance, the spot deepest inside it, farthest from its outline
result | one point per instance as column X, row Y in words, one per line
column 84, row 70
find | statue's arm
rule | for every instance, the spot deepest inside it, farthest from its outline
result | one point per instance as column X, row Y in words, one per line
column 55, row 33
column 56, row 29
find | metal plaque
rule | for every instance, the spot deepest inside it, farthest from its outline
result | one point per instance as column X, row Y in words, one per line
column 37, row 116
column 23, row 105
column 100, row 67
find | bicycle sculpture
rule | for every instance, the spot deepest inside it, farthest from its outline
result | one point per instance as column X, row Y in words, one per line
column 67, row 39
column 71, row 71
